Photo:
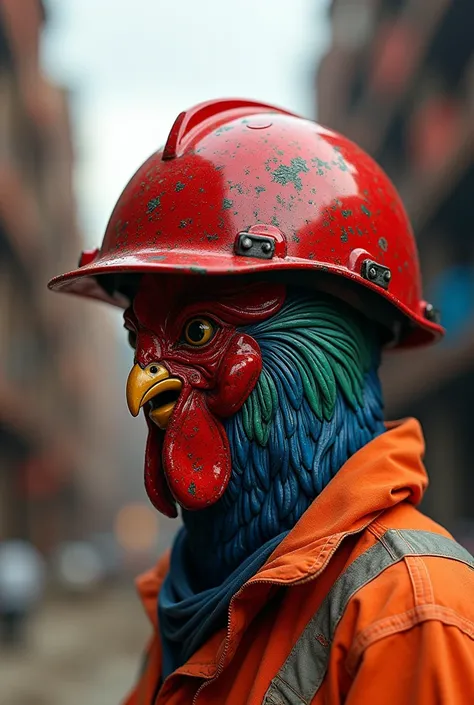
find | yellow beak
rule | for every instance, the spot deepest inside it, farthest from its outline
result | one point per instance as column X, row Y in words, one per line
column 145, row 384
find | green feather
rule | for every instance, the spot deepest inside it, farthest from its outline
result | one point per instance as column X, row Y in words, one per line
column 330, row 346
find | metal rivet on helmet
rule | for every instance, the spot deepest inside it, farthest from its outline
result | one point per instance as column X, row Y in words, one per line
column 376, row 273
column 432, row 314
column 255, row 246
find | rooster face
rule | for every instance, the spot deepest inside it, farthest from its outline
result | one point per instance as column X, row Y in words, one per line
column 193, row 367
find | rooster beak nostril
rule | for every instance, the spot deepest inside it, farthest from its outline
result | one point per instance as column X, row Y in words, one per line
column 140, row 383
column 145, row 384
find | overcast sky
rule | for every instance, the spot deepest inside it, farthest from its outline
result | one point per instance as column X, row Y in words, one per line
column 133, row 66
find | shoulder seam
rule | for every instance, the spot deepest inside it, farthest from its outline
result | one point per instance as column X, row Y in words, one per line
column 420, row 580
column 394, row 624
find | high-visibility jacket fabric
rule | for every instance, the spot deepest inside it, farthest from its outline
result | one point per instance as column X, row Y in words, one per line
column 404, row 636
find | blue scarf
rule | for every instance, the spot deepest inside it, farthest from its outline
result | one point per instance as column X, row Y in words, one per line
column 188, row 618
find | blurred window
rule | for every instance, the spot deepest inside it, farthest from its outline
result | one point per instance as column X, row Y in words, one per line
column 391, row 7
column 5, row 51
column 352, row 24
column 395, row 53
column 434, row 132
column 453, row 44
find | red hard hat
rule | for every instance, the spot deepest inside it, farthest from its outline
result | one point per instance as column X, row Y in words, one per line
column 245, row 188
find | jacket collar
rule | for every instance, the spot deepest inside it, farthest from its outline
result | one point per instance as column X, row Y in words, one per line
column 385, row 472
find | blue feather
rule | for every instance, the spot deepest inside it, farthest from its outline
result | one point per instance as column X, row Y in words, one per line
column 260, row 465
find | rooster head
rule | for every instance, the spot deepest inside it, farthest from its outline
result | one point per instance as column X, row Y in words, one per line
column 193, row 367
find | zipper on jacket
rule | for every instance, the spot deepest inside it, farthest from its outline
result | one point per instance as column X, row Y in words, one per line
column 302, row 581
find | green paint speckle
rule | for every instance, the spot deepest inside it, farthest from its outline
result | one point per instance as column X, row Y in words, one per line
column 290, row 174
column 185, row 223
column 236, row 187
column 198, row 270
column 153, row 204
column 224, row 128
column 344, row 236
column 192, row 489
column 321, row 166
column 179, row 186
column 365, row 211
column 346, row 213
column 260, row 189
column 275, row 221
column 383, row 244
column 339, row 162
column 213, row 237
column 226, row 204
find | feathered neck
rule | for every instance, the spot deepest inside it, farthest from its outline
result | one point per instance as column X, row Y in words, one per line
column 318, row 400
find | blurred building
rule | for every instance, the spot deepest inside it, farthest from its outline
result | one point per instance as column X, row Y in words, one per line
column 399, row 80
column 56, row 404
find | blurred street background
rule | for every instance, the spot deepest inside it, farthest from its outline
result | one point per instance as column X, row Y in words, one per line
column 88, row 91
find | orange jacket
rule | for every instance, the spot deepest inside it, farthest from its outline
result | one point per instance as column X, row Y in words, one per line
column 405, row 637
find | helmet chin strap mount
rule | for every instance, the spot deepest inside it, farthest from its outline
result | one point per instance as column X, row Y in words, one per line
column 250, row 245
column 376, row 273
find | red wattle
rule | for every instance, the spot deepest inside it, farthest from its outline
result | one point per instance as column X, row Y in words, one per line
column 196, row 454
column 155, row 481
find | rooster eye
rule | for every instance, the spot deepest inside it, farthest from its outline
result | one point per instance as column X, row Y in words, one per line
column 198, row 331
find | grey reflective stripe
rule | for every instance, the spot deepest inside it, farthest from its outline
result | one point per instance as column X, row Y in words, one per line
column 301, row 675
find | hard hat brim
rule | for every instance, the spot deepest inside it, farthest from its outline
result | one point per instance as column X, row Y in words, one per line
column 85, row 281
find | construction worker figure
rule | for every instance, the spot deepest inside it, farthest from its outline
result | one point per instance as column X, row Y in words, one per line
column 264, row 263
